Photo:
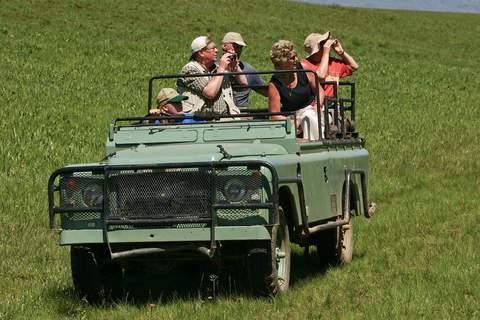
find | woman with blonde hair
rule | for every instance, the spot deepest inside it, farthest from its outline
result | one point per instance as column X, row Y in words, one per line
column 295, row 91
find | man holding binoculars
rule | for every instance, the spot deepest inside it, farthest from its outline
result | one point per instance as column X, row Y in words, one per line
column 233, row 43
column 328, row 68
column 212, row 93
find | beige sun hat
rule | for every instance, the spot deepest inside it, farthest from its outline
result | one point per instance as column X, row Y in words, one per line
column 167, row 95
column 312, row 43
column 234, row 37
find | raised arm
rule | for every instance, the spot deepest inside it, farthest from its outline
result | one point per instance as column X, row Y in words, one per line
column 213, row 87
column 345, row 56
column 235, row 67
column 323, row 67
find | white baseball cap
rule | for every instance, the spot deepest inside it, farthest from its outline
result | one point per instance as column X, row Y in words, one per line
column 198, row 44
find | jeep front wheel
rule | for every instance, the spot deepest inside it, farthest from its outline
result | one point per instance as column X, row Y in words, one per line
column 269, row 262
column 335, row 246
column 95, row 276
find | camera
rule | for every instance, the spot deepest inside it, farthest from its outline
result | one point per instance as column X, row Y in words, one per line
column 231, row 55
column 334, row 42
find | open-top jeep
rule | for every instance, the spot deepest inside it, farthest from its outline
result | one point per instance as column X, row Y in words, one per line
column 237, row 188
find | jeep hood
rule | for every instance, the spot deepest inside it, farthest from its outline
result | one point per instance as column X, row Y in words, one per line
column 178, row 153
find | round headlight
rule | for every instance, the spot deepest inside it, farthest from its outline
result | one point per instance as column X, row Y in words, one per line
column 234, row 190
column 93, row 195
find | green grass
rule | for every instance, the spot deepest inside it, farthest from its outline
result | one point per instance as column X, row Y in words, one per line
column 70, row 68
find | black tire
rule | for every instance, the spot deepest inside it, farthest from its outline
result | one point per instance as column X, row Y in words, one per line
column 269, row 262
column 326, row 242
column 96, row 278
column 335, row 246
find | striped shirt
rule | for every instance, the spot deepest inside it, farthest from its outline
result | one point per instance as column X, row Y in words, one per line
column 193, row 88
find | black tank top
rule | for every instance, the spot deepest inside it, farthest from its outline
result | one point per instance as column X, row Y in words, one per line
column 293, row 99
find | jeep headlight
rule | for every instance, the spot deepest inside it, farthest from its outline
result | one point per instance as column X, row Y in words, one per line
column 234, row 190
column 93, row 195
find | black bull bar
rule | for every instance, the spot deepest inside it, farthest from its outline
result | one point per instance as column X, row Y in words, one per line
column 105, row 170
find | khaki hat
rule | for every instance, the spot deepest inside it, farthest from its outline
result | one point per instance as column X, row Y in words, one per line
column 198, row 44
column 167, row 95
column 234, row 37
column 312, row 43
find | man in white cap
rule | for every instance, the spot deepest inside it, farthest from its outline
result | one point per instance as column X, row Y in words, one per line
column 169, row 103
column 328, row 68
column 210, row 93
column 233, row 42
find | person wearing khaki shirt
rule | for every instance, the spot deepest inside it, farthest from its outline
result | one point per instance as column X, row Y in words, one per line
column 210, row 93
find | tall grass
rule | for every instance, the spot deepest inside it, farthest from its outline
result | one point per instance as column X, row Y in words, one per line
column 70, row 68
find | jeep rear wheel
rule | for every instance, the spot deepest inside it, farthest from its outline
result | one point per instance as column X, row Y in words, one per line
column 95, row 276
column 269, row 262
column 335, row 246
column 345, row 243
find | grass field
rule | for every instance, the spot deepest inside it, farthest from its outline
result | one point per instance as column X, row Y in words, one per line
column 70, row 68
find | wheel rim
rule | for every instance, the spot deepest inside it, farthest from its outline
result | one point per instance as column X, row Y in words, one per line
column 346, row 243
column 281, row 255
column 269, row 262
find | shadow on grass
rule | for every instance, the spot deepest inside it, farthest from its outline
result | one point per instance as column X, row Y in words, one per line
column 194, row 281
column 204, row 281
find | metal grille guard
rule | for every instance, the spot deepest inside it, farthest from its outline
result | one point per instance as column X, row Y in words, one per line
column 213, row 166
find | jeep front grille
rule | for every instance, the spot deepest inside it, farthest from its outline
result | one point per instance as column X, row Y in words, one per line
column 161, row 194
column 179, row 197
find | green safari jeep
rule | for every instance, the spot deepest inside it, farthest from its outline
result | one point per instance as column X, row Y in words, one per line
column 234, row 189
